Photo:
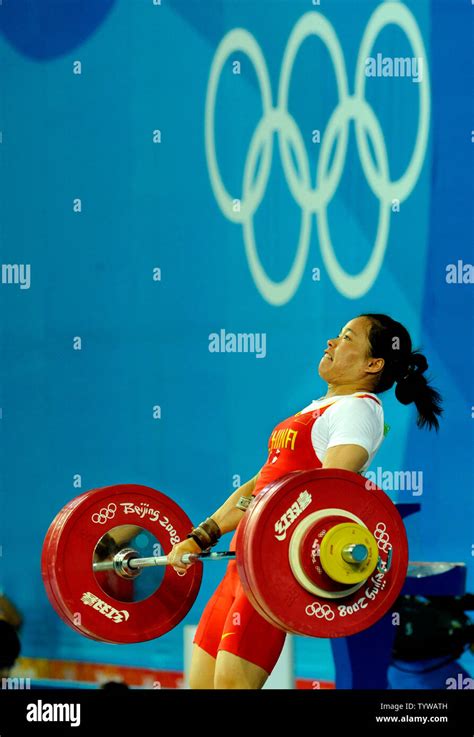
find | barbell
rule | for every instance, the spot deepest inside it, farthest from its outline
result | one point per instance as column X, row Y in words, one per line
column 319, row 553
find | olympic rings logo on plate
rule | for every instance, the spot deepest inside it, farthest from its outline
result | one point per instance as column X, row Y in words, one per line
column 279, row 120
column 104, row 514
column 316, row 609
column 382, row 537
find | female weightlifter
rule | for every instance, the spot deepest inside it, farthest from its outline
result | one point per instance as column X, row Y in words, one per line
column 234, row 646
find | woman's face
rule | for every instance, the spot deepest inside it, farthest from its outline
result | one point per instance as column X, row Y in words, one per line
column 345, row 360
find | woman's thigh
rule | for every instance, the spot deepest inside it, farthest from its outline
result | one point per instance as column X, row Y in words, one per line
column 233, row 672
column 209, row 631
column 249, row 647
column 202, row 668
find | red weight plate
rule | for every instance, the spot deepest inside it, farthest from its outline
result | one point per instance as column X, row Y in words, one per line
column 263, row 542
column 52, row 577
column 73, row 587
column 320, row 608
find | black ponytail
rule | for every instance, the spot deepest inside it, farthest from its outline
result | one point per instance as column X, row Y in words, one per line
column 389, row 340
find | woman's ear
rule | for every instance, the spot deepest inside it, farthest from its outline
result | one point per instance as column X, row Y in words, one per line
column 375, row 365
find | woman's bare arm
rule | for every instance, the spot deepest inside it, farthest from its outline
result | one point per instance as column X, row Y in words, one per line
column 228, row 516
column 350, row 457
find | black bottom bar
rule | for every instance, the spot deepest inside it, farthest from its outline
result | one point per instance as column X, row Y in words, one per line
column 127, row 713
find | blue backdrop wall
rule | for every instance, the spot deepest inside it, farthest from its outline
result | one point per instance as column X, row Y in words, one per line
column 150, row 218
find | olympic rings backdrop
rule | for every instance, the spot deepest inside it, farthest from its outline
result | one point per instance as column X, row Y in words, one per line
column 179, row 174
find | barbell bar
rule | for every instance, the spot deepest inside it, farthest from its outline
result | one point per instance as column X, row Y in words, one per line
column 128, row 558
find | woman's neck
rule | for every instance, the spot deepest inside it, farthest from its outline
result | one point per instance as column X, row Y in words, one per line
column 341, row 389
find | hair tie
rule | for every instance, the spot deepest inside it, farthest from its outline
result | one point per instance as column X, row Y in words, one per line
column 409, row 370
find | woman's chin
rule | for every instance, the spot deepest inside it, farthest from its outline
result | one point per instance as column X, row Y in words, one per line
column 322, row 371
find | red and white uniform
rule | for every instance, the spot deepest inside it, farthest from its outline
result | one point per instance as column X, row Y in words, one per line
column 229, row 622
